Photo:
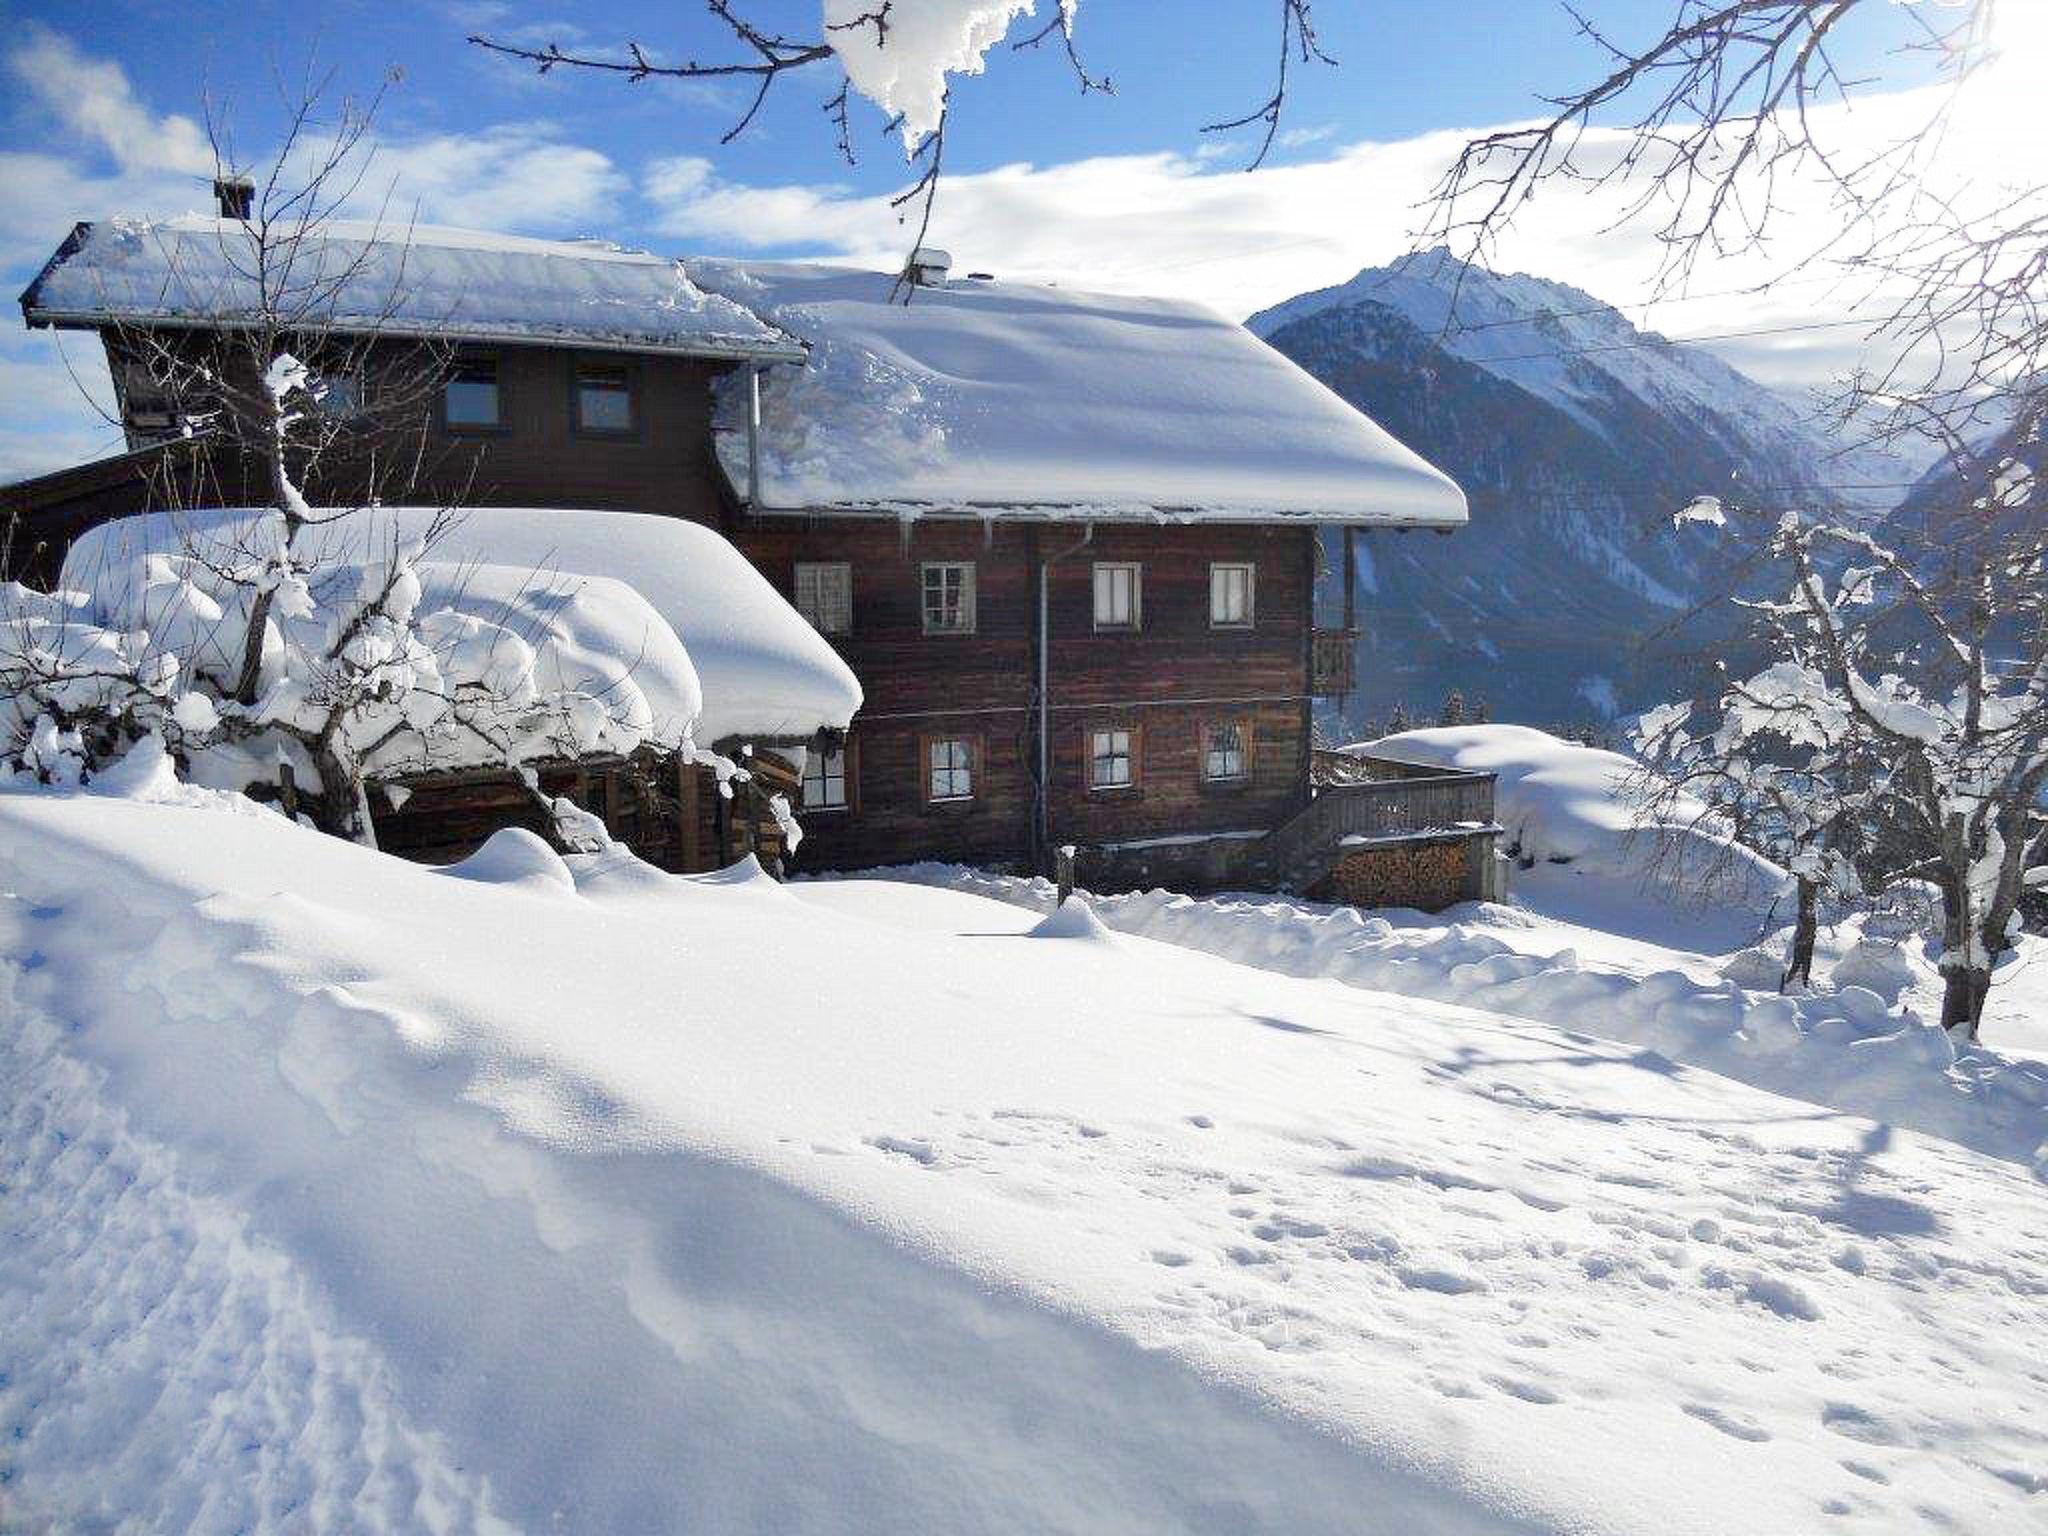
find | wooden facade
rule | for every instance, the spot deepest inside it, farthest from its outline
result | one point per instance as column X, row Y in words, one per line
column 1161, row 681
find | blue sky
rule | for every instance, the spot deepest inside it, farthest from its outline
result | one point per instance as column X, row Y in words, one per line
column 1123, row 192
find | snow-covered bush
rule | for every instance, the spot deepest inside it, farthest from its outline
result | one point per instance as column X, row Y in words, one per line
column 372, row 660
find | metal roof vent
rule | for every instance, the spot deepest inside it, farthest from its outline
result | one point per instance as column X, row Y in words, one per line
column 235, row 196
column 928, row 266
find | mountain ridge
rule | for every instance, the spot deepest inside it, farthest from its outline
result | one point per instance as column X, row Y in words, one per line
column 1576, row 436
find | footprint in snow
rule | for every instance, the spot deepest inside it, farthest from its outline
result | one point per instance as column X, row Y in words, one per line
column 1527, row 1391
column 1445, row 1282
column 1171, row 1258
column 1733, row 1424
column 1859, row 1424
column 903, row 1146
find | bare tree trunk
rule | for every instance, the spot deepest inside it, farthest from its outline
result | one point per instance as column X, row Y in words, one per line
column 1962, row 1001
column 1804, row 931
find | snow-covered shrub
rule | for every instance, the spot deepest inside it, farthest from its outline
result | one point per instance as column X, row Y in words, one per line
column 370, row 660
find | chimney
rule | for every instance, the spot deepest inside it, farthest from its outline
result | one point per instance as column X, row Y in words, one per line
column 928, row 266
column 235, row 196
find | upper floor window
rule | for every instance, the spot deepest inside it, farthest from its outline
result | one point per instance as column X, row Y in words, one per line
column 339, row 396
column 824, row 595
column 949, row 768
column 471, row 398
column 949, row 598
column 604, row 398
column 146, row 399
column 825, row 781
column 1110, row 763
column 1230, row 596
column 1119, row 595
column 1223, row 754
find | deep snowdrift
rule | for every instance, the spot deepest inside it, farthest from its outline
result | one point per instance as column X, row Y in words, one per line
column 345, row 1192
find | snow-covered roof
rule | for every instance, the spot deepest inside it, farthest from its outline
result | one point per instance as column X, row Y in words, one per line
column 396, row 280
column 1009, row 399
column 765, row 674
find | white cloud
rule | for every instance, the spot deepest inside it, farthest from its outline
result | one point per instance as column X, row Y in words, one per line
column 513, row 176
column 93, row 99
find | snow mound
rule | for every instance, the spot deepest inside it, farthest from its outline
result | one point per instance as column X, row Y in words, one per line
column 1845, row 1049
column 1012, row 399
column 398, row 280
column 1564, row 804
column 1883, row 966
column 514, row 856
column 707, row 638
column 1073, row 918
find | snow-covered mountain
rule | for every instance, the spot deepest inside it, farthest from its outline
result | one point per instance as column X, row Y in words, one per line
column 1576, row 436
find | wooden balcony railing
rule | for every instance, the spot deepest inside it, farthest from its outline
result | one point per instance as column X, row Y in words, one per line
column 1400, row 800
column 1330, row 661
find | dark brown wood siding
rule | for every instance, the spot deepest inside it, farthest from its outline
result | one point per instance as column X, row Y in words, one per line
column 1164, row 681
column 535, row 458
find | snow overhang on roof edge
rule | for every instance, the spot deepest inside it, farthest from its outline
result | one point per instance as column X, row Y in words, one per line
column 37, row 316
column 793, row 352
column 1065, row 512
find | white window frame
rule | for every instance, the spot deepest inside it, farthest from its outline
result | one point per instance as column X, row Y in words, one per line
column 830, row 612
column 965, row 621
column 1106, row 581
column 1210, row 753
column 1103, row 748
column 958, row 768
column 822, row 770
column 1219, row 571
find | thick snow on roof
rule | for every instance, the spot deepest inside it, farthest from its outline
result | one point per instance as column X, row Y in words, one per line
column 1003, row 398
column 396, row 280
column 764, row 672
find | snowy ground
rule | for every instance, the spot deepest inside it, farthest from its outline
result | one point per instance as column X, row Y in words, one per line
column 340, row 1193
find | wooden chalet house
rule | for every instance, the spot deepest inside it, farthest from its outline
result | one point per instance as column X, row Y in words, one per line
column 1068, row 543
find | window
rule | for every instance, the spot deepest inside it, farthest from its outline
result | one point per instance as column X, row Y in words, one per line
column 470, row 397
column 339, row 396
column 950, row 768
column 1109, row 760
column 146, row 399
column 949, row 598
column 824, row 595
column 604, row 398
column 1230, row 596
column 1118, row 596
column 1223, row 751
column 825, row 781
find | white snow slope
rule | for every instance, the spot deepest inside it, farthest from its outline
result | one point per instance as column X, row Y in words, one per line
column 341, row 1193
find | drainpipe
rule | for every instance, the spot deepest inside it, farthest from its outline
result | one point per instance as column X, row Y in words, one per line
column 753, row 437
column 1044, row 691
